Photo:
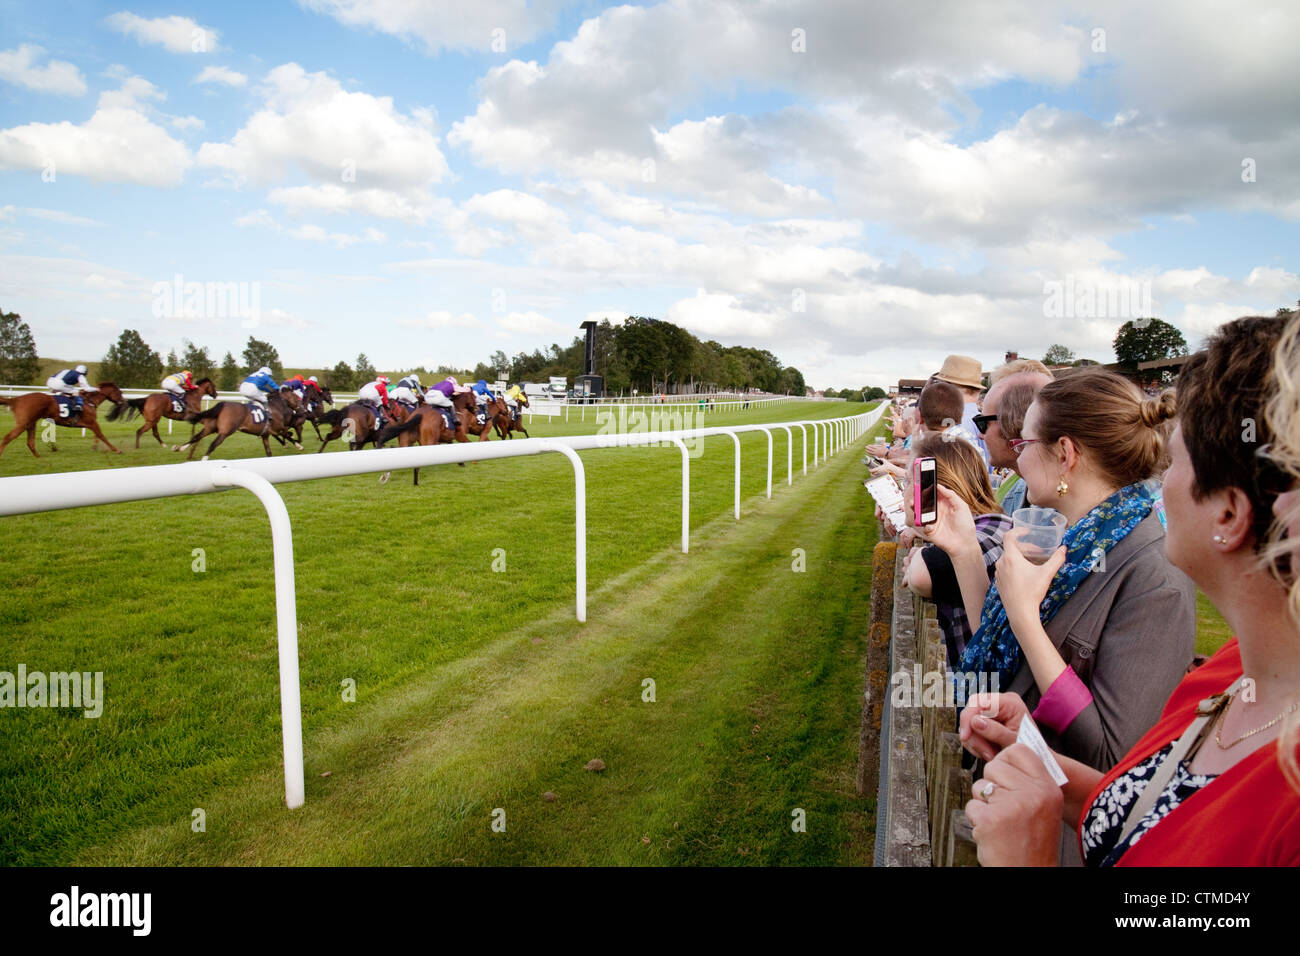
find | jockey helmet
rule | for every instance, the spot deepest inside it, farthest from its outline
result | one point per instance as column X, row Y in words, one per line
column 264, row 370
column 382, row 378
column 312, row 379
column 81, row 369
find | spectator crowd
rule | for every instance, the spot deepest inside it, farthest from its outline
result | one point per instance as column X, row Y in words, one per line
column 1171, row 759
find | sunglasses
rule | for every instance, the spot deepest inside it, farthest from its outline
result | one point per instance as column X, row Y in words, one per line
column 1018, row 444
column 982, row 422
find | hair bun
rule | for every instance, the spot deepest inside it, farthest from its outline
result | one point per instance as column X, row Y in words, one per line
column 1155, row 411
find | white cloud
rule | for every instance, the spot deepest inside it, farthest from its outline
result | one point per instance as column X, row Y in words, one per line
column 175, row 34
column 496, row 25
column 57, row 215
column 221, row 74
column 119, row 143
column 361, row 154
column 18, row 67
column 187, row 122
column 442, row 319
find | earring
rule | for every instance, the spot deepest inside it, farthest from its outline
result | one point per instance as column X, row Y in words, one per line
column 1219, row 539
column 1062, row 487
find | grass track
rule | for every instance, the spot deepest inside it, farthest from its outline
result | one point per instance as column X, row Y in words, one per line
column 459, row 711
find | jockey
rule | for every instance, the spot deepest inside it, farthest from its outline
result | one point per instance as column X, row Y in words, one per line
column 70, row 381
column 512, row 401
column 176, row 385
column 439, row 396
column 375, row 394
column 298, row 384
column 258, row 383
column 481, row 395
column 408, row 391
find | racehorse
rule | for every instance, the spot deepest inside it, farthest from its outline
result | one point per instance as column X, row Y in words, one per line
column 159, row 405
column 507, row 424
column 495, row 406
column 360, row 423
column 428, row 427
column 29, row 409
column 313, row 407
column 226, row 418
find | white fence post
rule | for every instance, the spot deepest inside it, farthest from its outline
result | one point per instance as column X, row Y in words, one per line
column 579, row 523
column 736, row 440
column 286, row 616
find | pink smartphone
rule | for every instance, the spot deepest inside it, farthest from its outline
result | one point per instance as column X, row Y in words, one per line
column 924, row 507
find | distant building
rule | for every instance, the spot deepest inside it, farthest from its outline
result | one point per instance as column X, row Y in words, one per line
column 910, row 386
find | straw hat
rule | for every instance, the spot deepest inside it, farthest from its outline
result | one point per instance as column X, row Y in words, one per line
column 961, row 370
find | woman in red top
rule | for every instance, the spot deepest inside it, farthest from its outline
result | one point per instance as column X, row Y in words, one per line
column 1231, row 794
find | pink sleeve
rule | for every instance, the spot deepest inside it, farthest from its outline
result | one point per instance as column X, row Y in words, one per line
column 1064, row 701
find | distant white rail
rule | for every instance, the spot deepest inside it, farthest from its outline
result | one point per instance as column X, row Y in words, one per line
column 30, row 494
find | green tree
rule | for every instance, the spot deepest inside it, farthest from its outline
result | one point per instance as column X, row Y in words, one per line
column 873, row 393
column 19, row 364
column 228, row 377
column 365, row 371
column 1058, row 355
column 342, row 378
column 259, row 353
column 130, row 363
column 173, row 361
column 197, row 360
column 1143, row 340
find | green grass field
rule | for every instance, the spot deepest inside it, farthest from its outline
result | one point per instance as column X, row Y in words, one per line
column 475, row 691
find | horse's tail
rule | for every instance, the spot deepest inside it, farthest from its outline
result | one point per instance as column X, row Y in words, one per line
column 132, row 407
column 212, row 412
column 332, row 417
column 6, row 401
column 391, row 431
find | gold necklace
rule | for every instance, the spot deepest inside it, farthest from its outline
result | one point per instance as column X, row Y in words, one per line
column 1218, row 739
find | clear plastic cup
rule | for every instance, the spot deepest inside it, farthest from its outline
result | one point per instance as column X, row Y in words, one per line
column 1040, row 532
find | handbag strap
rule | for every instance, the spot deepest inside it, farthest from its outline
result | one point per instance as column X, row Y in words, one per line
column 1184, row 749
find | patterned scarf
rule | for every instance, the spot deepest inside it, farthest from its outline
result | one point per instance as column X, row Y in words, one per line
column 994, row 646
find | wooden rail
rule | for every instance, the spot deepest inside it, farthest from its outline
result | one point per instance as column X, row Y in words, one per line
column 909, row 750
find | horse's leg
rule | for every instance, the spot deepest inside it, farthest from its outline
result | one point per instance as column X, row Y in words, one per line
column 266, row 444
column 14, row 434
column 221, row 436
column 93, row 425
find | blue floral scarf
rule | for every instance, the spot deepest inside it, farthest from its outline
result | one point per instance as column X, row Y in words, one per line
column 994, row 646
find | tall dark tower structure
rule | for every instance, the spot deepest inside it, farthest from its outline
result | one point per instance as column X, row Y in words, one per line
column 589, row 383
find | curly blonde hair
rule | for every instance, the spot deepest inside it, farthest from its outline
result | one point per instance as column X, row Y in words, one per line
column 1283, row 417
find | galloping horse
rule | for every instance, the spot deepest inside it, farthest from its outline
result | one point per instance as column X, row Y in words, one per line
column 428, row 427
column 495, row 406
column 31, row 408
column 361, row 422
column 507, row 423
column 318, row 396
column 226, row 418
column 159, row 405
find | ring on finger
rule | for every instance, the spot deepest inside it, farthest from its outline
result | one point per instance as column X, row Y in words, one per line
column 986, row 791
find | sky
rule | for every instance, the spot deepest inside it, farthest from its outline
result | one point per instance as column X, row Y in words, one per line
column 860, row 187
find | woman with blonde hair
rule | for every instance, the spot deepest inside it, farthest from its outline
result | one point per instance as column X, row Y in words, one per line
column 958, row 586
column 1214, row 781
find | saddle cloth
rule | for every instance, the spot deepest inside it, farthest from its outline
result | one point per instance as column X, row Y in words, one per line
column 257, row 411
column 69, row 405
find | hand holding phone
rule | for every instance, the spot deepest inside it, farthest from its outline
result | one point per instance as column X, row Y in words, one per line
column 924, row 506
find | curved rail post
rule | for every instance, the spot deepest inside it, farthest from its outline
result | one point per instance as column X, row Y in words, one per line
column 768, row 432
column 286, row 616
column 817, row 434
column 736, row 441
column 686, row 494
column 803, row 427
column 579, row 523
column 789, row 455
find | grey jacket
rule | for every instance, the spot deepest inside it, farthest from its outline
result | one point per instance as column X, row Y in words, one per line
column 1129, row 632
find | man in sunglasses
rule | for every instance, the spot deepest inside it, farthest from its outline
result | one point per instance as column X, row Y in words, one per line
column 1000, row 423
